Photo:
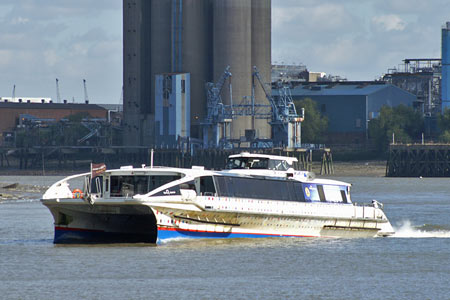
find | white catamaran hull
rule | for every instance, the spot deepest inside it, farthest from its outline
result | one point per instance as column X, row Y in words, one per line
column 265, row 218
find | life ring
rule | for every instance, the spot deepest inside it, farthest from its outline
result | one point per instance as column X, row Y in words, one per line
column 77, row 194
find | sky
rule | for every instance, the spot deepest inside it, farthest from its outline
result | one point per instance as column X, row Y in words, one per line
column 72, row 40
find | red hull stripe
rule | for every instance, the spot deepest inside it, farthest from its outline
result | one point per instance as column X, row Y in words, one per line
column 231, row 233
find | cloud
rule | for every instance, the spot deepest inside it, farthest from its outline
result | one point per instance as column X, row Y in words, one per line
column 356, row 39
column 70, row 40
column 389, row 22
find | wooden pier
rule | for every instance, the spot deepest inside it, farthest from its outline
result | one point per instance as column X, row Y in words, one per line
column 418, row 160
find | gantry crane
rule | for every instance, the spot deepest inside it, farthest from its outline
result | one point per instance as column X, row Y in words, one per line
column 280, row 113
column 285, row 122
column 218, row 115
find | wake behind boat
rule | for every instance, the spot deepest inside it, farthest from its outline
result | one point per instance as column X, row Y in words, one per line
column 255, row 196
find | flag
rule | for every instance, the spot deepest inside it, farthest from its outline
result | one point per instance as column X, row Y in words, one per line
column 97, row 169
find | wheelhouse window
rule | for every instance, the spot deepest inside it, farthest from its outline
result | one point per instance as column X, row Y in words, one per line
column 279, row 165
column 257, row 163
column 247, row 163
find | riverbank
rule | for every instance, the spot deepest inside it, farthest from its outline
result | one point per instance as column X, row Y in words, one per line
column 16, row 191
column 375, row 168
column 10, row 190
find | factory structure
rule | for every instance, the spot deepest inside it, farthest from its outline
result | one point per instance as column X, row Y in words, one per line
column 176, row 52
column 427, row 78
column 421, row 77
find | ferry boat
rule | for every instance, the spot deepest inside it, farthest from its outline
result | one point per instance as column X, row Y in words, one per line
column 256, row 195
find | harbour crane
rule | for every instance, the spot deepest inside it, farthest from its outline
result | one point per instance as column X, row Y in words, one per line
column 285, row 122
column 58, row 96
column 280, row 113
column 219, row 115
column 86, row 99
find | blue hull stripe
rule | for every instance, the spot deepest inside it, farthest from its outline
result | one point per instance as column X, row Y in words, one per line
column 170, row 233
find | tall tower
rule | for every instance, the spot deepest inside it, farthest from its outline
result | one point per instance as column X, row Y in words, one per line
column 261, row 56
column 446, row 66
column 196, row 37
column 232, row 46
column 132, row 65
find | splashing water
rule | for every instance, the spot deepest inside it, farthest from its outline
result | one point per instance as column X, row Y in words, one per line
column 406, row 230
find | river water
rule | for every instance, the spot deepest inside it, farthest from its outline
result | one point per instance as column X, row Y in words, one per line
column 413, row 264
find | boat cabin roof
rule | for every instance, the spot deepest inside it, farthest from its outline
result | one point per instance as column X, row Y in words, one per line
column 289, row 160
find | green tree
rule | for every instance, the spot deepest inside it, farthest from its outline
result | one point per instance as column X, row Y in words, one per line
column 443, row 122
column 315, row 125
column 403, row 121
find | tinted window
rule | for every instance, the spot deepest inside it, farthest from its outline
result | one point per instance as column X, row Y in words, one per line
column 129, row 185
column 242, row 187
column 207, row 186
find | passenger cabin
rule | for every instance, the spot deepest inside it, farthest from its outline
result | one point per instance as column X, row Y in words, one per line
column 249, row 176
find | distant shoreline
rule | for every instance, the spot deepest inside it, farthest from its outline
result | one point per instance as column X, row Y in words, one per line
column 373, row 168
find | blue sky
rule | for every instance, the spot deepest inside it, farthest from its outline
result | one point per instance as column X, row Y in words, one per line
column 41, row 40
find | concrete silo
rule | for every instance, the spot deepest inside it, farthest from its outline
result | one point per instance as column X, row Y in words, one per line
column 160, row 42
column 197, row 55
column 232, row 46
column 261, row 56
column 132, row 11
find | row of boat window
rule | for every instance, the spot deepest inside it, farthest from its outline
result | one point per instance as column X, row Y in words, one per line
column 122, row 186
column 284, row 190
column 230, row 186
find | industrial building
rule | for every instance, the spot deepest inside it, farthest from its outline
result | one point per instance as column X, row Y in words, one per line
column 349, row 106
column 427, row 78
column 18, row 114
column 199, row 38
column 421, row 77
column 172, row 115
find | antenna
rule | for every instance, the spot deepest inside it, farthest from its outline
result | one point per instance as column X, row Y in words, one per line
column 121, row 96
column 13, row 98
column 86, row 98
column 58, row 96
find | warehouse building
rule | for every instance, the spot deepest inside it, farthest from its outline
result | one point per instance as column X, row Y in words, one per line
column 349, row 106
column 19, row 114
